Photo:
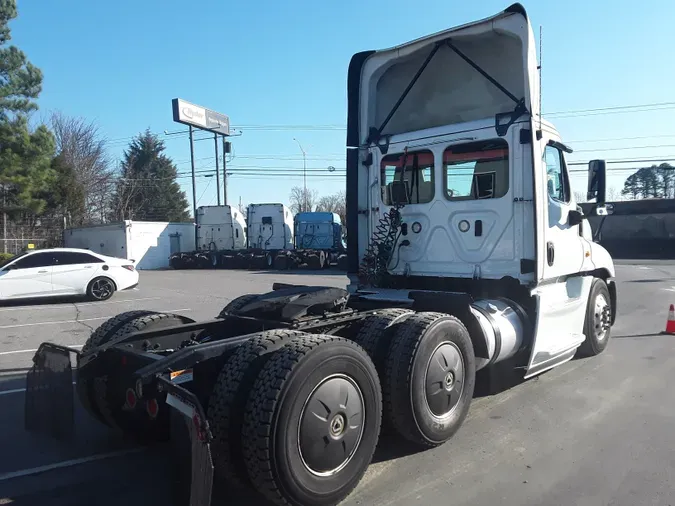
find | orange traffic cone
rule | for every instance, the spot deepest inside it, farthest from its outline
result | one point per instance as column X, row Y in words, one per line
column 670, row 324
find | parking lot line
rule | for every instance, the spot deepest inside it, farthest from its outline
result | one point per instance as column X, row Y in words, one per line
column 78, row 304
column 67, row 463
column 59, row 322
column 19, row 390
column 33, row 350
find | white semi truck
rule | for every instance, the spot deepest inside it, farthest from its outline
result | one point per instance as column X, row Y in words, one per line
column 221, row 235
column 467, row 252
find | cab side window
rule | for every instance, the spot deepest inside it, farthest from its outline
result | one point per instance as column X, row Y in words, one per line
column 556, row 176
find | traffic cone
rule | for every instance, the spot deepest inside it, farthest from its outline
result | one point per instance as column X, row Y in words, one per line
column 670, row 324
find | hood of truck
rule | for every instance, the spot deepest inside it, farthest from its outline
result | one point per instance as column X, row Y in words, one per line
column 450, row 90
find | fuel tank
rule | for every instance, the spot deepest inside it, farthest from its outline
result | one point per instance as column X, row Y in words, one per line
column 503, row 323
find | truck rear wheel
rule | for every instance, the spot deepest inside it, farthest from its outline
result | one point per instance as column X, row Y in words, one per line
column 315, row 389
column 228, row 400
column 313, row 262
column 236, row 304
column 597, row 324
column 429, row 378
column 105, row 396
column 103, row 334
column 376, row 332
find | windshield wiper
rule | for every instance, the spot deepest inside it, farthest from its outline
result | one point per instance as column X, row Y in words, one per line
column 375, row 134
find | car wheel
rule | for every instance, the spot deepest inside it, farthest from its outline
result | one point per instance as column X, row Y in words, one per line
column 101, row 288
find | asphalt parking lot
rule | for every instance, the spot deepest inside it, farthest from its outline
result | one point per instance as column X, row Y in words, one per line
column 591, row 432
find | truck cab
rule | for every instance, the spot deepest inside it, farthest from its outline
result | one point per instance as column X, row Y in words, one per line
column 455, row 184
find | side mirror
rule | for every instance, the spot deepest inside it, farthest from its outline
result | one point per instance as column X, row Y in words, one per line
column 597, row 176
column 575, row 217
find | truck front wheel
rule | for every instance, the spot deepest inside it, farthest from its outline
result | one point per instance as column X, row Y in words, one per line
column 312, row 421
column 597, row 324
column 429, row 378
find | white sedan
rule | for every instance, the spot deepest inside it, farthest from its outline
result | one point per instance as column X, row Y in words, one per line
column 61, row 272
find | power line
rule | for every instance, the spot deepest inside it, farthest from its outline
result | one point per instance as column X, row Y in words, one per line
column 178, row 134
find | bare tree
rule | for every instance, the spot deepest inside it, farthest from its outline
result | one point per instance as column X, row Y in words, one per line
column 336, row 203
column 298, row 198
column 83, row 148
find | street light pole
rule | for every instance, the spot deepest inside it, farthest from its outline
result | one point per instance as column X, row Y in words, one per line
column 304, row 174
column 215, row 142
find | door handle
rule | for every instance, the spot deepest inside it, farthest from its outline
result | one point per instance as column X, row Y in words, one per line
column 42, row 272
column 87, row 266
column 550, row 253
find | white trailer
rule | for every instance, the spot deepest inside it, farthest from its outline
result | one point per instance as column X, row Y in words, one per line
column 149, row 244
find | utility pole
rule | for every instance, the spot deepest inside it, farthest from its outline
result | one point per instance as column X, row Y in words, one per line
column 304, row 175
column 215, row 142
column 225, row 151
column 194, row 189
column 4, row 220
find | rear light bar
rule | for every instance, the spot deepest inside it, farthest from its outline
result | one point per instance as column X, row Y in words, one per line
column 129, row 267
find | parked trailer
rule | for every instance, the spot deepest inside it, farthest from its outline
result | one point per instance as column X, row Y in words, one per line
column 150, row 244
column 285, row 392
column 221, row 236
column 318, row 242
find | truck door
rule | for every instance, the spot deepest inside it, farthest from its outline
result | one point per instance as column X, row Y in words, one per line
column 561, row 292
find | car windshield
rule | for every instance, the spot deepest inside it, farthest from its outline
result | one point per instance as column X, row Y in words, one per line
column 5, row 262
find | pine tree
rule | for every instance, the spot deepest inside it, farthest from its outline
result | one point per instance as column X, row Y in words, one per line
column 147, row 189
column 25, row 155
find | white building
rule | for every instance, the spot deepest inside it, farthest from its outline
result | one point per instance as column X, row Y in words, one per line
column 148, row 243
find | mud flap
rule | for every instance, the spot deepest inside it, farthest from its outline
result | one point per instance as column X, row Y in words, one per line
column 201, row 483
column 201, row 475
column 49, row 405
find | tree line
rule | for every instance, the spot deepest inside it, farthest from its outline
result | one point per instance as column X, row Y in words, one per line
column 302, row 200
column 57, row 172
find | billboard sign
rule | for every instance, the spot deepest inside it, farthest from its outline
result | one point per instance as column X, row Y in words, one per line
column 200, row 117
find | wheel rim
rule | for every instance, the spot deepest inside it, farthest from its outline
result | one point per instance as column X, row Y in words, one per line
column 331, row 425
column 601, row 317
column 101, row 288
column 444, row 380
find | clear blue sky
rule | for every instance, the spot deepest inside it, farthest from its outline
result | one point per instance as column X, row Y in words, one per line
column 285, row 63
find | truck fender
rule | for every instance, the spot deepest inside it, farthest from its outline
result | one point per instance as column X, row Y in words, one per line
column 458, row 305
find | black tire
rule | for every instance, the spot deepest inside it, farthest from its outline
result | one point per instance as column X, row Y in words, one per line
column 597, row 324
column 342, row 263
column 376, row 332
column 420, row 343
column 105, row 332
column 101, row 288
column 272, row 436
column 235, row 304
column 213, row 260
column 281, row 262
column 269, row 261
column 313, row 262
column 104, row 395
column 228, row 400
